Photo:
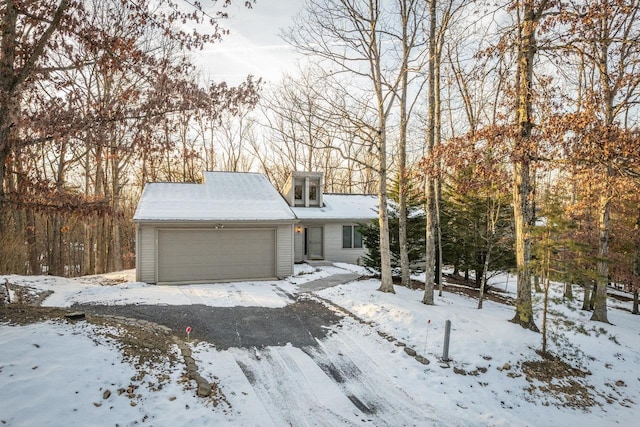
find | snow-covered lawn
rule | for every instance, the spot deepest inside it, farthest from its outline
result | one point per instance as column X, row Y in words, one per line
column 57, row 373
column 488, row 351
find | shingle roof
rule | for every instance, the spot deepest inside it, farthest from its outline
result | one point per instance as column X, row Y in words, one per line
column 342, row 206
column 224, row 196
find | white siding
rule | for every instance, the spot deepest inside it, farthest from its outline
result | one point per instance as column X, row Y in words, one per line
column 146, row 254
column 284, row 264
column 333, row 250
column 298, row 244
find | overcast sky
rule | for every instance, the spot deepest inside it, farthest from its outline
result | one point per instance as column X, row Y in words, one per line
column 254, row 45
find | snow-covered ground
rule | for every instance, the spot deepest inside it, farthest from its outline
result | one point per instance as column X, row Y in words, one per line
column 56, row 373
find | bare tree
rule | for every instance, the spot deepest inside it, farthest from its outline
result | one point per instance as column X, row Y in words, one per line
column 83, row 86
column 295, row 115
column 235, row 134
column 32, row 30
column 349, row 36
column 440, row 20
column 529, row 14
column 411, row 14
column 605, row 37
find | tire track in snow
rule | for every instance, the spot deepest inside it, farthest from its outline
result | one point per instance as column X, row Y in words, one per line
column 295, row 391
column 349, row 378
column 367, row 384
column 191, row 294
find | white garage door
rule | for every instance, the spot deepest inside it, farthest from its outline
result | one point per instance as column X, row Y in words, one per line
column 213, row 255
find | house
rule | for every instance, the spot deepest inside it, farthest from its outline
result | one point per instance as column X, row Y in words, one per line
column 236, row 226
column 328, row 222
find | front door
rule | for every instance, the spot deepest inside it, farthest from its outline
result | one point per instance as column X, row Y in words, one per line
column 315, row 243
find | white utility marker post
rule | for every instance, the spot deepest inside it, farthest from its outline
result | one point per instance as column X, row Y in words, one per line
column 447, row 336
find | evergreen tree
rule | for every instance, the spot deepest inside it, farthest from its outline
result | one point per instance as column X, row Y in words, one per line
column 467, row 231
column 415, row 229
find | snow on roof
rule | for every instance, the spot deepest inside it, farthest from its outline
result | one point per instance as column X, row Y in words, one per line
column 224, row 196
column 342, row 206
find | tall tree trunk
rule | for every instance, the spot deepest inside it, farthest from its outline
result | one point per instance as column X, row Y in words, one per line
column 604, row 225
column 24, row 219
column 32, row 243
column 402, row 208
column 437, row 141
column 485, row 270
column 4, row 154
column 614, row 31
column 88, row 263
column 116, row 252
column 523, row 215
column 522, row 189
column 114, row 242
column 430, row 253
column 636, row 268
column 375, row 62
column 6, row 144
column 545, row 310
column 8, row 101
column 92, row 247
column 12, row 79
column 438, row 273
column 56, row 265
column 405, row 279
column 386, row 281
column 568, row 290
column 100, row 258
column 86, row 252
column 536, row 283
column 586, row 286
column 546, row 278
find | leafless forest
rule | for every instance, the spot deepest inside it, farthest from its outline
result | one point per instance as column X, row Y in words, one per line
column 515, row 124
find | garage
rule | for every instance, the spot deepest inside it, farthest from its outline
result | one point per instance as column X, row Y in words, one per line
column 209, row 255
column 233, row 226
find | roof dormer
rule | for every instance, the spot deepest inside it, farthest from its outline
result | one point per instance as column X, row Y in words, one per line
column 304, row 189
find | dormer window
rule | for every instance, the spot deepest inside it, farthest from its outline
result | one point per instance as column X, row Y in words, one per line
column 304, row 189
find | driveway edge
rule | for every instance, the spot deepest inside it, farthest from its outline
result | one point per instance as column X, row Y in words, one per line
column 410, row 351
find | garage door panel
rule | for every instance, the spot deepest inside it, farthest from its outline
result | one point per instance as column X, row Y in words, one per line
column 213, row 255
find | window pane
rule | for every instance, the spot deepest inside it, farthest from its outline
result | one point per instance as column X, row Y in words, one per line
column 346, row 236
column 313, row 190
column 298, row 192
column 357, row 238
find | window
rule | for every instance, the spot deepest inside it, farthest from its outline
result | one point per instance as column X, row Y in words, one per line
column 351, row 237
column 357, row 238
column 347, row 236
column 313, row 192
column 298, row 192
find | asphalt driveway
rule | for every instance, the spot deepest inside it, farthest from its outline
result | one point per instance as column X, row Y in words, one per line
column 336, row 371
column 300, row 323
